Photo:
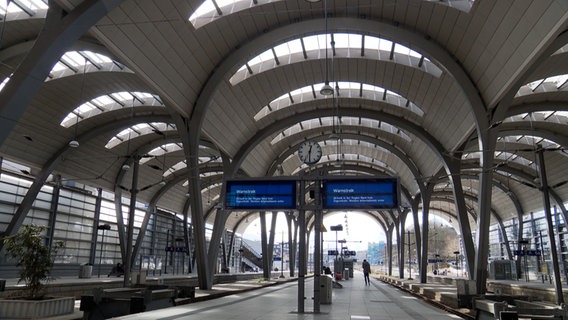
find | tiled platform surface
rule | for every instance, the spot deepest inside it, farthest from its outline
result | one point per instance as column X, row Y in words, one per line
column 354, row 301
column 277, row 298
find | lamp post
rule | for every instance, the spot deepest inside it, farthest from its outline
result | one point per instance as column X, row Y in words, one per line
column 457, row 264
column 103, row 227
column 409, row 258
column 282, row 256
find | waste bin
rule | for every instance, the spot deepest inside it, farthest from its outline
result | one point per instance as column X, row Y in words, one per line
column 2, row 285
column 326, row 285
column 85, row 271
column 138, row 277
column 346, row 274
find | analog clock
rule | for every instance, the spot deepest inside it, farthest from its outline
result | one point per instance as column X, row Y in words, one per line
column 309, row 152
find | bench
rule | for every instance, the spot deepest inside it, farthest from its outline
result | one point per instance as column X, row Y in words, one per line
column 108, row 303
column 487, row 309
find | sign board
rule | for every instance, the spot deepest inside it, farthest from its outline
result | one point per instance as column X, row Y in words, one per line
column 527, row 252
column 260, row 194
column 374, row 193
column 332, row 253
column 348, row 253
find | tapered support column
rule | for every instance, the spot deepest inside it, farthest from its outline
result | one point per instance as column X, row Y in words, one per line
column 484, row 218
column 551, row 237
column 131, row 215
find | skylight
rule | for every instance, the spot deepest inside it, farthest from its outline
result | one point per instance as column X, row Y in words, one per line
column 139, row 130
column 161, row 152
column 346, row 90
column 327, row 122
column 29, row 7
column 213, row 9
column 550, row 84
column 76, row 60
column 340, row 159
column 110, row 102
column 559, row 117
column 347, row 45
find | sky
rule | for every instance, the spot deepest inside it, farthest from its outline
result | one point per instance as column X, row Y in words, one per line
column 358, row 230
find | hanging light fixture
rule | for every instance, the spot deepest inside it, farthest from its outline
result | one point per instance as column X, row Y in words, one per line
column 163, row 182
column 326, row 89
column 75, row 143
column 126, row 166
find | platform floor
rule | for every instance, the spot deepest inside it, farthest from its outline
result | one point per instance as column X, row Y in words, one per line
column 354, row 301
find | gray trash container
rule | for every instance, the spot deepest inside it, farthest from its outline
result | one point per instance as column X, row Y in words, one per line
column 2, row 285
column 346, row 274
column 85, row 271
column 326, row 284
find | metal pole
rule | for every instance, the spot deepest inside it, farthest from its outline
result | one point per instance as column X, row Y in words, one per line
column 409, row 258
column 302, row 249
column 282, row 256
column 101, row 254
column 166, row 262
column 317, row 246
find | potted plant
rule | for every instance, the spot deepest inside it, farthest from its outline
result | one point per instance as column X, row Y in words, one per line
column 35, row 259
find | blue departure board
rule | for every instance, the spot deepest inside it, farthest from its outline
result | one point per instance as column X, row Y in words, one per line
column 376, row 193
column 260, row 194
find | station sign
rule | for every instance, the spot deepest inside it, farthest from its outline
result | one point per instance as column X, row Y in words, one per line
column 526, row 252
column 376, row 193
column 260, row 194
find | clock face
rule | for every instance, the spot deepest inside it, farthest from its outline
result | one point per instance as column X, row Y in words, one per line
column 310, row 152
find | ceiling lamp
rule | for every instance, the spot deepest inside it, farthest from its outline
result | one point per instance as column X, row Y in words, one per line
column 74, row 143
column 125, row 167
column 313, row 1
column 326, row 90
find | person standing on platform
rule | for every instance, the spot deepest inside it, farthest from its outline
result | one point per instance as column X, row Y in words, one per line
column 366, row 270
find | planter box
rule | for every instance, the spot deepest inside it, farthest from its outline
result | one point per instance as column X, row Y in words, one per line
column 33, row 309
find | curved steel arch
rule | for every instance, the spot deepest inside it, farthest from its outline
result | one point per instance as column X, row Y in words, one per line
column 59, row 32
column 379, row 142
column 56, row 159
column 549, row 105
column 538, row 129
column 264, row 133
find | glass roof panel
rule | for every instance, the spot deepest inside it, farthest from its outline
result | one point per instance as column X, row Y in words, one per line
column 13, row 7
column 316, row 42
column 559, row 117
column 347, row 40
column 207, row 12
column 288, row 48
column 558, row 82
column 3, row 84
column 161, row 152
column 315, row 46
column 326, row 122
column 346, row 89
column 105, row 103
column 138, row 130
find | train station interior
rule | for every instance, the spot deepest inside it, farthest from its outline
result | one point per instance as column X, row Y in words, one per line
column 199, row 143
